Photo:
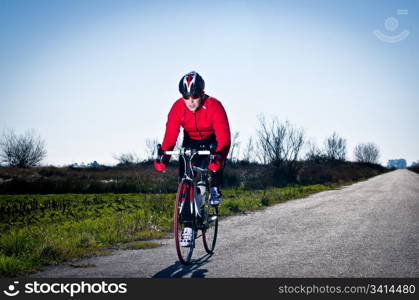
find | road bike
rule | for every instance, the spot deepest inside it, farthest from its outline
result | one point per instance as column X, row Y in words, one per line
column 193, row 190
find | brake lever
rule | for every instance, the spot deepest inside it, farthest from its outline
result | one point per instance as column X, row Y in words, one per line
column 160, row 153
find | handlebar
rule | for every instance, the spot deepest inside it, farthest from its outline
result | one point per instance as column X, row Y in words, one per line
column 183, row 151
column 190, row 153
column 187, row 152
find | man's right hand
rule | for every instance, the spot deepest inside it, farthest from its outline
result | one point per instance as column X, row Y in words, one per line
column 160, row 164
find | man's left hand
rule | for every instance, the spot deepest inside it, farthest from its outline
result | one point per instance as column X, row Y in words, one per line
column 215, row 163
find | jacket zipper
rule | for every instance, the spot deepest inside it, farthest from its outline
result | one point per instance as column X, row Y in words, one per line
column 196, row 126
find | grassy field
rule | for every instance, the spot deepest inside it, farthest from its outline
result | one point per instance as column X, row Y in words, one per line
column 39, row 230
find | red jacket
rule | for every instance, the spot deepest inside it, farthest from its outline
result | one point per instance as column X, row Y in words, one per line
column 210, row 118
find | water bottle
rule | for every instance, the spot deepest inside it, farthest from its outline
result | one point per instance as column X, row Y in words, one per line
column 201, row 193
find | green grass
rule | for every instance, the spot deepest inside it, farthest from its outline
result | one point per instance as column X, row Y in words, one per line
column 141, row 245
column 239, row 200
column 51, row 229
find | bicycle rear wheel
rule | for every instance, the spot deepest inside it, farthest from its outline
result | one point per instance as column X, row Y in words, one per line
column 183, row 198
column 209, row 234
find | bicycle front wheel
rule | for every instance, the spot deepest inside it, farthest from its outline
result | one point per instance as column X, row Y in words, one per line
column 209, row 234
column 183, row 197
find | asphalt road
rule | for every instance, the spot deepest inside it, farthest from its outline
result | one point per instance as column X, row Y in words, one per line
column 369, row 229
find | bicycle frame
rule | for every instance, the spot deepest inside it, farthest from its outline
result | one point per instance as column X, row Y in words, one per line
column 189, row 174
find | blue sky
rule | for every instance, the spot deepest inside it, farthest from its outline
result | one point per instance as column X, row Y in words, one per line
column 96, row 78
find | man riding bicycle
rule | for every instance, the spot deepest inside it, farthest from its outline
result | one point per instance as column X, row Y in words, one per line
column 205, row 125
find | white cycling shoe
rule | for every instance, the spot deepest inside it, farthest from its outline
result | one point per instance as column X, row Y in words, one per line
column 187, row 236
column 215, row 196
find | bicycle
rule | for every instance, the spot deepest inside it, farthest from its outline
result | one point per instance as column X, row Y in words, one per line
column 193, row 189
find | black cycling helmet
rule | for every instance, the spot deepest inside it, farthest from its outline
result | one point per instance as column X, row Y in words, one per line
column 191, row 84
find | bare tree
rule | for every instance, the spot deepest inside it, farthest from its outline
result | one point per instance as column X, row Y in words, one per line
column 280, row 143
column 23, row 151
column 248, row 154
column 368, row 153
column 127, row 158
column 151, row 148
column 234, row 149
column 335, row 147
column 314, row 153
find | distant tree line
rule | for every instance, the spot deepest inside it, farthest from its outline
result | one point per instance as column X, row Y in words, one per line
column 276, row 143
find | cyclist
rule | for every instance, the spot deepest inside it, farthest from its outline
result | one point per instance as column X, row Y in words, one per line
column 205, row 124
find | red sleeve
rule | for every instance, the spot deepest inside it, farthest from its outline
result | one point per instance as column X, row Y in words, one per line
column 221, row 129
column 172, row 128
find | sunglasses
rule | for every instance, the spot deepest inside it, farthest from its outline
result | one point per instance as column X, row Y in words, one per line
column 191, row 98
